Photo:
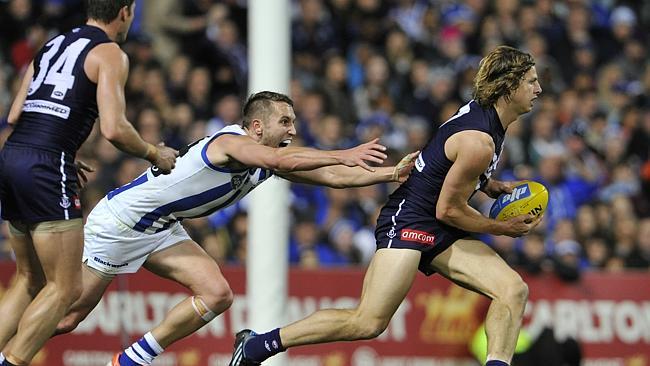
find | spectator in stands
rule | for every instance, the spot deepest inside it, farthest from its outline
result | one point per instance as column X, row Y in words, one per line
column 411, row 61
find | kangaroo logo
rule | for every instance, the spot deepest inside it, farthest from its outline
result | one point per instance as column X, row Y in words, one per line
column 236, row 181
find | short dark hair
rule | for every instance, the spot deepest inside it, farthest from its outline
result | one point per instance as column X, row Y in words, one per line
column 259, row 104
column 105, row 10
column 500, row 73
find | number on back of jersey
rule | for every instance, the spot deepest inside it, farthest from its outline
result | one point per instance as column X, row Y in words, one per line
column 59, row 73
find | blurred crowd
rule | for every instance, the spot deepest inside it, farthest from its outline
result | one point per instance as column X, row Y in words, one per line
column 394, row 69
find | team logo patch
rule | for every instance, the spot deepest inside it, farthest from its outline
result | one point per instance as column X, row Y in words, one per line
column 391, row 234
column 65, row 202
column 417, row 236
column 236, row 181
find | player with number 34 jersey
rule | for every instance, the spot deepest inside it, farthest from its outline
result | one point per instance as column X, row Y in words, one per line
column 75, row 78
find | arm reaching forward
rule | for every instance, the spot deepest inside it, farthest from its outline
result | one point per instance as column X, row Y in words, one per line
column 338, row 176
column 243, row 150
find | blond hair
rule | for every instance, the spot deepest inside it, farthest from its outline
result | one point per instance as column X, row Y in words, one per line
column 499, row 74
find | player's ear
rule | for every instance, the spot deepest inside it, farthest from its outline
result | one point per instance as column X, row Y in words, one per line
column 256, row 124
column 122, row 14
column 125, row 12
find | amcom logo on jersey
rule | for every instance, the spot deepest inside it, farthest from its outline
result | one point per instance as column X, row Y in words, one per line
column 417, row 236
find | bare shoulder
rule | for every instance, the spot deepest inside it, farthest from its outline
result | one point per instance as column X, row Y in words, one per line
column 103, row 55
column 110, row 50
column 471, row 146
column 469, row 142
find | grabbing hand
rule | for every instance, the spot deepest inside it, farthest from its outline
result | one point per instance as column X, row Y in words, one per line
column 494, row 187
column 165, row 158
column 82, row 168
column 403, row 169
column 521, row 225
column 359, row 155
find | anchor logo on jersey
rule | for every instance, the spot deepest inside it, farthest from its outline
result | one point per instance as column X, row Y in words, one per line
column 391, row 234
column 65, row 202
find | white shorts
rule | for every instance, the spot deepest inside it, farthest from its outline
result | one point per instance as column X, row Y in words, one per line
column 112, row 247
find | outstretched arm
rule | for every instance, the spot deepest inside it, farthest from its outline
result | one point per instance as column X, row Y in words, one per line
column 244, row 150
column 338, row 176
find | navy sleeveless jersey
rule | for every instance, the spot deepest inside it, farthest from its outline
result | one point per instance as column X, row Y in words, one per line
column 408, row 219
column 61, row 105
column 425, row 182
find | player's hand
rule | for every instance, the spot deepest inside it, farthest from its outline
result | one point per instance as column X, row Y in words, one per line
column 494, row 187
column 360, row 155
column 521, row 225
column 403, row 169
column 165, row 158
column 82, row 168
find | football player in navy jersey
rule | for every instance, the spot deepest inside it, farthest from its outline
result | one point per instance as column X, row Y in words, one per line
column 427, row 221
column 74, row 79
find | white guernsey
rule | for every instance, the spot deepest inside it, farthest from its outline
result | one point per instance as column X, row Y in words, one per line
column 142, row 217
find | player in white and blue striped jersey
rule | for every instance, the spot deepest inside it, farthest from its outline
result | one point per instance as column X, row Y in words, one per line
column 139, row 223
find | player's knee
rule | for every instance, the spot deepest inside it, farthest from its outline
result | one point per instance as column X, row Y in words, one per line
column 72, row 292
column 220, row 296
column 66, row 293
column 75, row 315
column 32, row 281
column 370, row 327
column 521, row 292
column 69, row 323
column 34, row 288
column 516, row 292
column 524, row 294
column 213, row 301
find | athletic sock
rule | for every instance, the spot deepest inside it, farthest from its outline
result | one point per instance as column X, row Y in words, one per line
column 262, row 346
column 141, row 352
column 496, row 363
column 2, row 358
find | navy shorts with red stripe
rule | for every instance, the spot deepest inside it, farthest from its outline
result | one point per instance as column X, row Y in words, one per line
column 38, row 185
column 404, row 224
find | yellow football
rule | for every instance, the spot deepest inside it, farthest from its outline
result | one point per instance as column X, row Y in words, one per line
column 527, row 197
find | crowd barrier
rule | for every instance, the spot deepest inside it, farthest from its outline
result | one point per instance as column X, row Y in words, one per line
column 609, row 314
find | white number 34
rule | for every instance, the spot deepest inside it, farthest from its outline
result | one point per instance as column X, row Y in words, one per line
column 59, row 74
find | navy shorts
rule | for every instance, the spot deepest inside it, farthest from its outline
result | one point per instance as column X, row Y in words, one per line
column 38, row 185
column 404, row 224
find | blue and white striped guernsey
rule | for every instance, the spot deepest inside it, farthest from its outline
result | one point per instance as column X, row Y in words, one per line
column 194, row 188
